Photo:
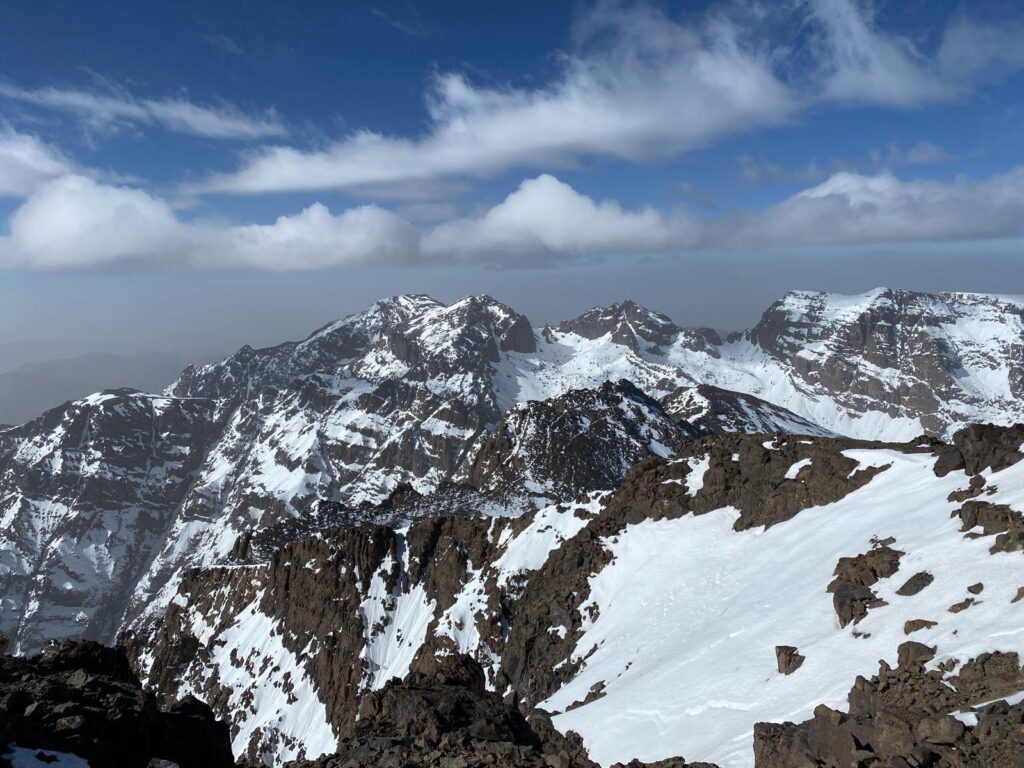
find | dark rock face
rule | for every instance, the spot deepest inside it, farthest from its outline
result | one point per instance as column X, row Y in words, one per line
column 915, row 584
column 904, row 333
column 83, row 698
column 901, row 718
column 630, row 325
column 584, row 440
column 981, row 446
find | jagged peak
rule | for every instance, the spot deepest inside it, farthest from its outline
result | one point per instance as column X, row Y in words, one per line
column 626, row 323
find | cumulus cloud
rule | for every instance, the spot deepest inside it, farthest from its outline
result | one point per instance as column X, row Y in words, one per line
column 637, row 86
column 26, row 162
column 110, row 110
column 851, row 208
column 314, row 239
column 75, row 222
column 547, row 217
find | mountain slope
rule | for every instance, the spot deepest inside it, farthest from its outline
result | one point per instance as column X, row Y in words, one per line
column 89, row 492
column 667, row 595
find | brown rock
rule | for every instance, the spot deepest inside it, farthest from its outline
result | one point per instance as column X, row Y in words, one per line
column 915, row 624
column 915, row 584
column 787, row 658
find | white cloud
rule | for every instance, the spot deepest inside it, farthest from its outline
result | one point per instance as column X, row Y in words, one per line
column 863, row 64
column 26, row 162
column 111, row 110
column 638, row 85
column 547, row 217
column 75, row 222
column 314, row 239
column 78, row 223
column 850, row 208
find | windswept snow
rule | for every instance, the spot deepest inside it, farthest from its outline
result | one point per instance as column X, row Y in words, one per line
column 690, row 611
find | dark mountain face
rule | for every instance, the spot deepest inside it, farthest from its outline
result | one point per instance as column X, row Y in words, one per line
column 713, row 410
column 582, row 441
column 930, row 357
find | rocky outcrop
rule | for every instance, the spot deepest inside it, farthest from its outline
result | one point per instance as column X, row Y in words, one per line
column 83, row 698
column 788, row 659
column 987, row 446
column 905, row 717
column 442, row 716
column 981, row 518
column 852, row 595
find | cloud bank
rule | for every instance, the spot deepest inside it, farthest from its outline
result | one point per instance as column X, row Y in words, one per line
column 75, row 222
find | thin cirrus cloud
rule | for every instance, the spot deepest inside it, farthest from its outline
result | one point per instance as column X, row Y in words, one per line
column 110, row 110
column 75, row 222
column 637, row 86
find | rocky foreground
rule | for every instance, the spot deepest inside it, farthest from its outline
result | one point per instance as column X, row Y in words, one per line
column 80, row 700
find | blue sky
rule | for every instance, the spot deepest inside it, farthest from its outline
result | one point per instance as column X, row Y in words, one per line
column 350, row 150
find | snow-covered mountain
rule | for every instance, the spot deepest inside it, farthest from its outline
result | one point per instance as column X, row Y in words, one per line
column 109, row 499
column 747, row 580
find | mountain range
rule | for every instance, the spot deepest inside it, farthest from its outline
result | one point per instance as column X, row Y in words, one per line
column 283, row 532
